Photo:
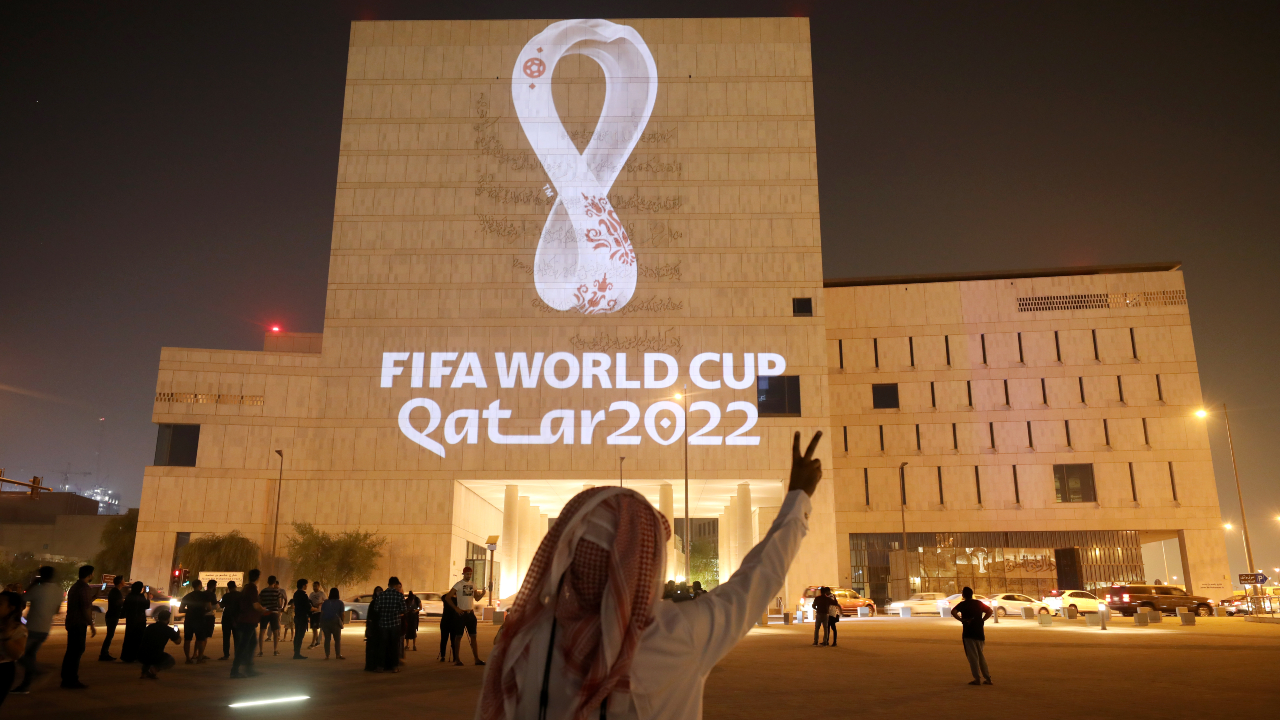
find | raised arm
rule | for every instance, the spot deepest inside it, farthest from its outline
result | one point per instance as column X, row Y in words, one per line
column 719, row 619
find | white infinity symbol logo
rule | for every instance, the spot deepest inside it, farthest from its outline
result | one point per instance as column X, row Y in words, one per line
column 585, row 260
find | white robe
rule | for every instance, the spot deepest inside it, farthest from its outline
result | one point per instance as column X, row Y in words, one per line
column 686, row 640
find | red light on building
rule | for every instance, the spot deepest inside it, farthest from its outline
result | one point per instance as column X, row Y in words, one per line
column 275, row 328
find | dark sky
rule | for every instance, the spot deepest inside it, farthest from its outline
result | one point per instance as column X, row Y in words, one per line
column 168, row 179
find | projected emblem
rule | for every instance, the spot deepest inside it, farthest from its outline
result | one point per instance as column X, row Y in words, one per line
column 585, row 260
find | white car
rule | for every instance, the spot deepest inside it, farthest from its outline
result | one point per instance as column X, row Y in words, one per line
column 1081, row 600
column 921, row 604
column 1012, row 604
column 432, row 605
column 947, row 604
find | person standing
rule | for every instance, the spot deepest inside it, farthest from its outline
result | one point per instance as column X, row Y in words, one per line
column 230, row 604
column 413, row 607
column 154, row 640
column 448, row 628
column 115, row 603
column 194, row 608
column 210, row 617
column 372, row 635
column 248, row 612
column 43, row 599
column 391, row 609
column 271, row 598
column 301, row 604
column 13, row 638
column 972, row 614
column 834, row 613
column 463, row 596
column 331, row 623
column 821, row 607
column 135, row 609
column 317, row 601
column 79, row 619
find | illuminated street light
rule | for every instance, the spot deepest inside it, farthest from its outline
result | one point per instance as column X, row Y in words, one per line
column 1244, row 521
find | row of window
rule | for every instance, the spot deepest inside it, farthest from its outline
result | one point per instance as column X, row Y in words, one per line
column 1004, row 349
column 1087, row 425
column 1072, row 483
column 886, row 396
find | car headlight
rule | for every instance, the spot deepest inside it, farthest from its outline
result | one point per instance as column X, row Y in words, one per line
column 897, row 604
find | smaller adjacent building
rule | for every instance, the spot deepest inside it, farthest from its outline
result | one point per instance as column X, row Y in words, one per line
column 52, row 526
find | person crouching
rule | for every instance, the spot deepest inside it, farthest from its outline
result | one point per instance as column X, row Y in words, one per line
column 154, row 639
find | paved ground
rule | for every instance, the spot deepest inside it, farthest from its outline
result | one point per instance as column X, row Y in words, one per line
column 883, row 667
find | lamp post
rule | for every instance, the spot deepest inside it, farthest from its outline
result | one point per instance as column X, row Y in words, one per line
column 620, row 459
column 1244, row 522
column 275, row 527
column 684, row 399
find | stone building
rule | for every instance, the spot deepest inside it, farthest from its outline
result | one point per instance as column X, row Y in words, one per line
column 535, row 285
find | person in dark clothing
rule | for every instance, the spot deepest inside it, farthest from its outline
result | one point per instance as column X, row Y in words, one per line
column 79, row 619
column 154, row 640
column 135, row 609
column 210, row 618
column 301, row 618
column 249, row 611
column 195, row 607
column 372, row 637
column 413, row 606
column 833, row 617
column 115, row 605
column 230, row 604
column 391, row 610
column 972, row 614
column 331, row 623
column 669, row 590
column 449, row 626
column 272, row 600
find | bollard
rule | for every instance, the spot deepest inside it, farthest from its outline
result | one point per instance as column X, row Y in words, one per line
column 1141, row 619
column 864, row 611
column 1104, row 614
column 906, row 612
column 764, row 619
column 1219, row 611
column 1093, row 619
column 499, row 617
column 786, row 618
column 1046, row 620
column 1028, row 613
column 1070, row 613
column 1154, row 615
column 1187, row 618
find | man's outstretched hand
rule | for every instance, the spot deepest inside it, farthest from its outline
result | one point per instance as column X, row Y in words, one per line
column 805, row 470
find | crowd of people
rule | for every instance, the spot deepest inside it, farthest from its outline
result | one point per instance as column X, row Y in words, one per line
column 593, row 592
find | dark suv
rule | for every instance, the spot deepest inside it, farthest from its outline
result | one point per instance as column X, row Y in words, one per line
column 1166, row 599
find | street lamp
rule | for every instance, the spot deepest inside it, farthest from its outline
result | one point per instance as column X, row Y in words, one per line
column 684, row 401
column 275, row 528
column 1244, row 522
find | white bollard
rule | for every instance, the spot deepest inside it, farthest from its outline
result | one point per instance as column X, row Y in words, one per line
column 1141, row 619
column 864, row 611
column 1187, row 618
column 906, row 612
column 1028, row 613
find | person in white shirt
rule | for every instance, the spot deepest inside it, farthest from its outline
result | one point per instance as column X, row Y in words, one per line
column 462, row 598
column 44, row 598
column 588, row 635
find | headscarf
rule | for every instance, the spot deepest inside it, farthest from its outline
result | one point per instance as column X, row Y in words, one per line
column 597, row 573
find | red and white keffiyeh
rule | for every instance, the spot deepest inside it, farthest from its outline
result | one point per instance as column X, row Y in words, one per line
column 609, row 544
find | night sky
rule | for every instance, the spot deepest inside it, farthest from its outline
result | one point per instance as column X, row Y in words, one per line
column 168, row 180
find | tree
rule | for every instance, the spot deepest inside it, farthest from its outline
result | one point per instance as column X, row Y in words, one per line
column 116, row 555
column 704, row 562
column 340, row 560
column 20, row 569
column 232, row 552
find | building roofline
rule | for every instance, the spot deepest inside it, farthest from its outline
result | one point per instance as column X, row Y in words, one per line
column 1002, row 274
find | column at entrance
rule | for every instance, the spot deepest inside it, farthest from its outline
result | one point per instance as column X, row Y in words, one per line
column 742, row 535
column 666, row 506
column 730, row 535
column 524, row 542
column 508, row 544
column 722, row 546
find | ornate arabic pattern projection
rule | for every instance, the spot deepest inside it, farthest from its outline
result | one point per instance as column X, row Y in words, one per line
column 596, row 273
column 209, row 398
column 604, row 342
column 1103, row 301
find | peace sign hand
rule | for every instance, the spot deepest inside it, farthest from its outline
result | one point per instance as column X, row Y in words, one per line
column 805, row 470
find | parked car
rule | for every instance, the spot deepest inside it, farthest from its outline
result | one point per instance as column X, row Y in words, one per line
column 158, row 600
column 432, row 604
column 849, row 600
column 1082, row 601
column 947, row 604
column 1235, row 605
column 358, row 606
column 1012, row 604
column 921, row 604
column 1166, row 599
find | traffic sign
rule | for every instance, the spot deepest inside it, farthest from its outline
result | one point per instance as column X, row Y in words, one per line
column 1253, row 579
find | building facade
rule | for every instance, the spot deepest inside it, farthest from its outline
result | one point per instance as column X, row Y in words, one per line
column 577, row 253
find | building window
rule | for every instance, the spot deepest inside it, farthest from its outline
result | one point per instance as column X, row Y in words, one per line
column 802, row 307
column 946, row 342
column 884, row 396
column 1074, row 483
column 177, row 445
column 911, row 346
column 840, row 350
column 778, row 396
column 866, row 486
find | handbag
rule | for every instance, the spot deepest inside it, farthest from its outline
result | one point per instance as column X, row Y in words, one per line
column 833, row 612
